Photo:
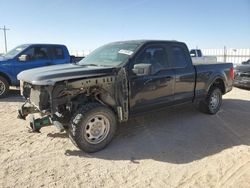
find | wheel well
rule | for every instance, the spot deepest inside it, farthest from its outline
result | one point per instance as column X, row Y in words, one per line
column 6, row 77
column 219, row 83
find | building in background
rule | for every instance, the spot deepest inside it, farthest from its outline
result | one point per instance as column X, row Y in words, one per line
column 81, row 53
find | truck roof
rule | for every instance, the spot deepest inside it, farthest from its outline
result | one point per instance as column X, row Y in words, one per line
column 43, row 44
column 143, row 41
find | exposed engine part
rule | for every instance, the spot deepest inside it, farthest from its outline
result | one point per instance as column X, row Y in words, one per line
column 106, row 98
column 102, row 82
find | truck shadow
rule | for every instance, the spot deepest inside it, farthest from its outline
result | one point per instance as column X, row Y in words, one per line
column 241, row 87
column 13, row 96
column 178, row 135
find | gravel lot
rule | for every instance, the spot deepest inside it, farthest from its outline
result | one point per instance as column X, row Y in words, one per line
column 179, row 147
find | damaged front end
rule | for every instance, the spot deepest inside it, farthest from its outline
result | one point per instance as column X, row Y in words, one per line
column 37, row 101
column 57, row 103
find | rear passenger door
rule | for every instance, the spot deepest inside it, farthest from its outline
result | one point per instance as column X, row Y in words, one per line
column 148, row 91
column 184, row 73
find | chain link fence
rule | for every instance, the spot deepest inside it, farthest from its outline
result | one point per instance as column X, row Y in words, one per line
column 233, row 55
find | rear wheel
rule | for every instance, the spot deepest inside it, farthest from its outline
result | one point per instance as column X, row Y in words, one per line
column 4, row 87
column 92, row 127
column 212, row 103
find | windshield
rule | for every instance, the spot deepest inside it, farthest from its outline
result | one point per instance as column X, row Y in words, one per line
column 246, row 62
column 110, row 54
column 12, row 53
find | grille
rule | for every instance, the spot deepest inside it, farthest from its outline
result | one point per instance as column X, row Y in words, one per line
column 39, row 97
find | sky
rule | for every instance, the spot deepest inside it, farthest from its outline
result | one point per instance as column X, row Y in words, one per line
column 85, row 25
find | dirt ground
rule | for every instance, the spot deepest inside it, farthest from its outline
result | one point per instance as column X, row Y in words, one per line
column 178, row 147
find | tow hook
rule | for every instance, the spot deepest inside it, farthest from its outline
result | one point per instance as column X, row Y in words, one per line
column 20, row 115
column 25, row 110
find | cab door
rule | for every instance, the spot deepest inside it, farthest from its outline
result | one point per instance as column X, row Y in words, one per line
column 35, row 56
column 184, row 73
column 156, row 88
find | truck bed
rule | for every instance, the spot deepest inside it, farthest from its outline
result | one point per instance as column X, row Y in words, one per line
column 207, row 73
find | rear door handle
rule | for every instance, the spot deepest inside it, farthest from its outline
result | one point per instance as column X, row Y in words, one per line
column 48, row 63
column 147, row 81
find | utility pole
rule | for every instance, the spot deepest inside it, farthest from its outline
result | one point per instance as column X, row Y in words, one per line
column 5, row 39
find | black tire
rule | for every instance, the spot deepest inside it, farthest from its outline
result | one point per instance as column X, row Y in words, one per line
column 4, row 87
column 207, row 106
column 82, row 124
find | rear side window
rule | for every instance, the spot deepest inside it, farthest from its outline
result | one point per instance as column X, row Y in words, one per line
column 58, row 53
column 180, row 59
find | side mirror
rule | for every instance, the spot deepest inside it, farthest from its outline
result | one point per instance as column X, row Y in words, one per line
column 23, row 58
column 244, row 62
column 142, row 69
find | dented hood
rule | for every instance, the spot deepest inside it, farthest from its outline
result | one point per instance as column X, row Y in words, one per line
column 49, row 75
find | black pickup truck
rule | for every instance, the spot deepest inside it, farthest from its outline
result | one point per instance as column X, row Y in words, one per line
column 117, row 81
column 242, row 75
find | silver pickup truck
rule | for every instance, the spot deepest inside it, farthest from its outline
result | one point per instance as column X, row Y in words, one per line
column 198, row 57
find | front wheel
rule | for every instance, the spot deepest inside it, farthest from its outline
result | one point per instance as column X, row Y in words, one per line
column 212, row 103
column 92, row 127
column 4, row 87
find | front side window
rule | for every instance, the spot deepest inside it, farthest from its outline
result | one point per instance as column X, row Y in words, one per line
column 156, row 56
column 246, row 62
column 110, row 55
column 36, row 53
